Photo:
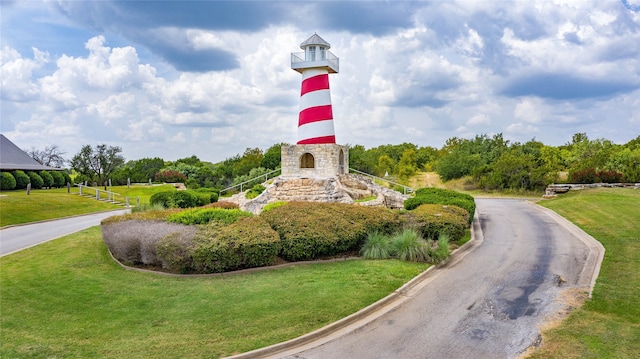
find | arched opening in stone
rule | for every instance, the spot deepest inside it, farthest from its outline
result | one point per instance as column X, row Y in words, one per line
column 307, row 161
column 341, row 169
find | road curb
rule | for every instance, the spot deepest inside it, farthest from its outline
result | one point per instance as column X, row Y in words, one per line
column 591, row 269
column 371, row 312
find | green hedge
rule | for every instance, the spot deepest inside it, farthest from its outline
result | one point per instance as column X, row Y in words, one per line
column 442, row 196
column 58, row 179
column 434, row 220
column 46, row 178
column 206, row 215
column 35, row 179
column 7, row 181
column 247, row 243
column 22, row 180
column 183, row 199
column 312, row 230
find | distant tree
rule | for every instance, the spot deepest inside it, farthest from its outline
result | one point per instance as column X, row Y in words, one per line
column 51, row 156
column 385, row 165
column 407, row 164
column 193, row 161
column 272, row 156
column 251, row 158
column 99, row 163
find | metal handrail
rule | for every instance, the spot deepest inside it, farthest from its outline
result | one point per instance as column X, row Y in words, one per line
column 405, row 188
column 251, row 180
column 110, row 194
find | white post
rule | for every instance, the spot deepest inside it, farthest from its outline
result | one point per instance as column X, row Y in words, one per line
column 127, row 201
column 80, row 186
column 97, row 194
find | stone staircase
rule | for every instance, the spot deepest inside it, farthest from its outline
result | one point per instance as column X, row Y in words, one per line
column 346, row 188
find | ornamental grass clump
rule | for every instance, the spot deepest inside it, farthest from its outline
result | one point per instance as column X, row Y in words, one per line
column 376, row 246
column 443, row 250
column 408, row 245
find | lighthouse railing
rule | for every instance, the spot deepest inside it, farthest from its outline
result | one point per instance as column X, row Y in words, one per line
column 321, row 58
column 406, row 189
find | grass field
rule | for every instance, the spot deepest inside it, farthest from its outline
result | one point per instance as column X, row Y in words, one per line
column 68, row 299
column 608, row 324
column 17, row 207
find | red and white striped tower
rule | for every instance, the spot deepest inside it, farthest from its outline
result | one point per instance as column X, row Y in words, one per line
column 315, row 121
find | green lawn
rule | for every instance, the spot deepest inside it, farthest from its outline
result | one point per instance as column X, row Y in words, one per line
column 608, row 325
column 17, row 207
column 67, row 298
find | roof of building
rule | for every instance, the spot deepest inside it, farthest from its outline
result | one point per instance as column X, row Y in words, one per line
column 13, row 158
column 315, row 39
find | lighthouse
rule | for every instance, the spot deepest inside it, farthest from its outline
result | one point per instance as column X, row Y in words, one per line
column 315, row 120
column 316, row 154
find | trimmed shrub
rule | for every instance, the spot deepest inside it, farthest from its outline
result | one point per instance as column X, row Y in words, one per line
column 247, row 243
column 150, row 215
column 46, row 178
column 22, row 180
column 35, row 179
column 313, row 230
column 67, row 178
column 212, row 192
column 223, row 204
column 376, row 246
column 255, row 191
column 442, row 196
column 7, row 181
column 174, row 252
column 134, row 242
column 147, row 207
column 272, row 205
column 433, row 220
column 409, row 246
column 206, row 215
column 58, row 179
column 164, row 199
column 184, row 199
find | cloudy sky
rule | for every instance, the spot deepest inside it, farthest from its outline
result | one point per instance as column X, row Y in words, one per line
column 172, row 79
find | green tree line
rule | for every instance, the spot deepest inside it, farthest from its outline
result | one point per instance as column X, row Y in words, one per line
column 486, row 162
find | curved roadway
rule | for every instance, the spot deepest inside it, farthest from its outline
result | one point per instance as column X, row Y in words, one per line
column 16, row 238
column 489, row 305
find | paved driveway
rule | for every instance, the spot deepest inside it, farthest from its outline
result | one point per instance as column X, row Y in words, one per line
column 16, row 238
column 488, row 305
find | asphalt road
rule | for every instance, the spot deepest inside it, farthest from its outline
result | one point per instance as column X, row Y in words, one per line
column 17, row 238
column 488, row 305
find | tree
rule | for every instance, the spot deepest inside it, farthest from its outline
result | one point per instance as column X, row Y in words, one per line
column 251, row 158
column 51, row 156
column 406, row 167
column 99, row 163
column 272, row 156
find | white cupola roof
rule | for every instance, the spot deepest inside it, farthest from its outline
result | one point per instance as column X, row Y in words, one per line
column 315, row 39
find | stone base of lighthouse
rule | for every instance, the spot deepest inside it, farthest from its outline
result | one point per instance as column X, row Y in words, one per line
column 319, row 173
column 314, row 161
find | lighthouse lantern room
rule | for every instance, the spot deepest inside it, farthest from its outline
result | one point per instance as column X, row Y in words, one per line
column 316, row 153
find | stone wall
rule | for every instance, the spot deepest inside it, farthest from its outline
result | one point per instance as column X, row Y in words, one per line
column 343, row 189
column 329, row 160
